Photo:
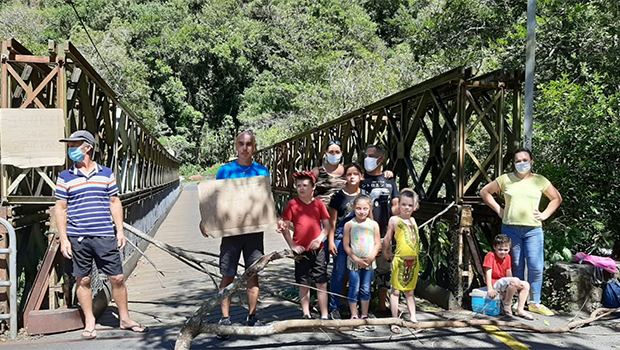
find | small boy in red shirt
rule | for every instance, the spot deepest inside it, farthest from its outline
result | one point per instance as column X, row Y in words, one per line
column 307, row 214
column 498, row 276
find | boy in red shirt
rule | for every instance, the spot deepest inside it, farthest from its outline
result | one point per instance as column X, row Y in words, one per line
column 307, row 214
column 498, row 276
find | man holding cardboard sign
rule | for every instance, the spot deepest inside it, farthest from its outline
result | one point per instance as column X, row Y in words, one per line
column 250, row 244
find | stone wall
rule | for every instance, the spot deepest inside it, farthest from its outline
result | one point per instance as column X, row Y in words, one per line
column 572, row 286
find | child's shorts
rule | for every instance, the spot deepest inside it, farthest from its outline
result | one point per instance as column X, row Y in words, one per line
column 311, row 267
column 502, row 284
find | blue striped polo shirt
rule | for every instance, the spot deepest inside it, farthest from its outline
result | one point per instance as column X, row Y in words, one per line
column 88, row 200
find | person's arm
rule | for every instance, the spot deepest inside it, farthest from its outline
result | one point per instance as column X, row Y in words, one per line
column 346, row 239
column 487, row 196
column 286, row 233
column 509, row 273
column 333, row 216
column 316, row 243
column 491, row 292
column 387, row 241
column 116, row 209
column 395, row 209
column 60, row 213
column 315, row 171
column 555, row 199
column 377, row 248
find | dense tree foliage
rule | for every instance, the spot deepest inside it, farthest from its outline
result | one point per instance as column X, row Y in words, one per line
column 195, row 71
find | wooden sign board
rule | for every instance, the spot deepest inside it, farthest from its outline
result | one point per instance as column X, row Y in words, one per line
column 29, row 137
column 237, row 206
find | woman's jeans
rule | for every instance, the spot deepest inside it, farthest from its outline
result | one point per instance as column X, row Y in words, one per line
column 359, row 284
column 527, row 246
column 338, row 271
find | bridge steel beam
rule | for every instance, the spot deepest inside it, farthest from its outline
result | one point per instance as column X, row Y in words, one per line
column 445, row 138
column 147, row 175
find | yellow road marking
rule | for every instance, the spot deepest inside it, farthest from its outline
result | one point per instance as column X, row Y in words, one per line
column 505, row 338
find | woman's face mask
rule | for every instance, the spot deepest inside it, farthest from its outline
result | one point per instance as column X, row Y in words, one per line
column 334, row 158
column 523, row 167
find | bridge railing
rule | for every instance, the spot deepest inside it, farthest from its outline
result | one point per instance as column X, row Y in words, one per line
column 445, row 138
column 64, row 79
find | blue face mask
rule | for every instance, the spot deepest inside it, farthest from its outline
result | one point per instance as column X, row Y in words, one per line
column 76, row 155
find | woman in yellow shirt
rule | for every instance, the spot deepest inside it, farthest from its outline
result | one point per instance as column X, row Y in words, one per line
column 522, row 220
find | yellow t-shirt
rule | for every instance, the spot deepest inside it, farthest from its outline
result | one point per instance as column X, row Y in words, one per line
column 522, row 198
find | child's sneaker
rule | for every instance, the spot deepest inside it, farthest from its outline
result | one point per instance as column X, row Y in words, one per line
column 335, row 314
column 540, row 309
column 252, row 321
column 223, row 322
column 306, row 317
column 358, row 329
column 368, row 328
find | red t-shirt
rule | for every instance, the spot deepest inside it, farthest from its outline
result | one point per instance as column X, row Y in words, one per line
column 498, row 266
column 307, row 220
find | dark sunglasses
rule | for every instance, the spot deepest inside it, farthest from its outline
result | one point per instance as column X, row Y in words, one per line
column 332, row 142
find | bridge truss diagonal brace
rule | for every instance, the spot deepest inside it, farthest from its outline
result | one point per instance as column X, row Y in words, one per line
column 25, row 173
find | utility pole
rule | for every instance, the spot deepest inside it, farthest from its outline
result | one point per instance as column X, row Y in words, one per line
column 530, row 50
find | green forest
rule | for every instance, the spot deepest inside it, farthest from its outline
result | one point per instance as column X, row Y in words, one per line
column 195, row 71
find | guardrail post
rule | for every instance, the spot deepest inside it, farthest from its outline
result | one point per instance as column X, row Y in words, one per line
column 12, row 282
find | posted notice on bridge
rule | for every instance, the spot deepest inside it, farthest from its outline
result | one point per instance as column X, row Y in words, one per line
column 29, row 137
column 237, row 206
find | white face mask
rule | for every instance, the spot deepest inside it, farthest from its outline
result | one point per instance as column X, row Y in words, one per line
column 371, row 164
column 523, row 167
column 334, row 158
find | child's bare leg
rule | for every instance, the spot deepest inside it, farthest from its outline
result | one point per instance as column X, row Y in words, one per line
column 383, row 294
column 353, row 308
column 322, row 296
column 411, row 305
column 510, row 292
column 523, row 294
column 394, row 295
column 365, row 307
column 304, row 299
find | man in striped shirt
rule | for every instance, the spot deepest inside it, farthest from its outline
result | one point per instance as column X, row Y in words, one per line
column 89, row 216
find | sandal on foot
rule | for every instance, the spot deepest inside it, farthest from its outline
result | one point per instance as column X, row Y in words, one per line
column 89, row 335
column 395, row 329
column 526, row 316
column 507, row 310
column 136, row 328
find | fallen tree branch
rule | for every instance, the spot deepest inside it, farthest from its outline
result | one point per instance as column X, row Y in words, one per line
column 182, row 254
column 292, row 326
column 193, row 325
column 157, row 271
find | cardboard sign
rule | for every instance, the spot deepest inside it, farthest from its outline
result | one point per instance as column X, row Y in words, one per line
column 236, row 206
column 29, row 137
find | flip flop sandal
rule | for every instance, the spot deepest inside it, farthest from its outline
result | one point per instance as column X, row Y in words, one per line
column 395, row 329
column 507, row 310
column 89, row 335
column 136, row 328
column 526, row 316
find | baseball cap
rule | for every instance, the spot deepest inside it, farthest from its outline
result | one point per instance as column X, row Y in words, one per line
column 80, row 135
column 304, row 173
